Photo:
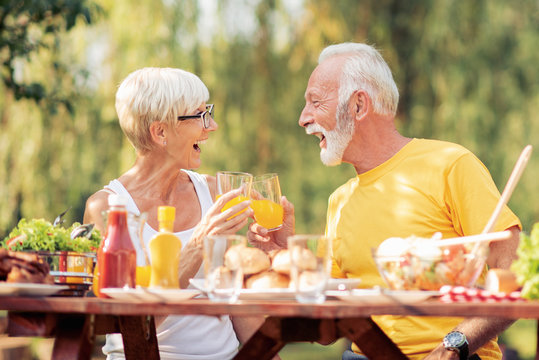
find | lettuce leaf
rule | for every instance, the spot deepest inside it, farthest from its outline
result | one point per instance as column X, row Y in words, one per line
column 526, row 267
column 41, row 235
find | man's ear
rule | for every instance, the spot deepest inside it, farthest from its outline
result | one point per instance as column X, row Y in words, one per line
column 361, row 104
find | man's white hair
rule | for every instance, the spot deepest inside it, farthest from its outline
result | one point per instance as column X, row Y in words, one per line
column 365, row 69
column 156, row 94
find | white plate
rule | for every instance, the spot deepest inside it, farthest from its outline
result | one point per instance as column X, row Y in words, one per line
column 252, row 294
column 198, row 284
column 267, row 294
column 150, row 295
column 379, row 296
column 342, row 284
column 30, row 289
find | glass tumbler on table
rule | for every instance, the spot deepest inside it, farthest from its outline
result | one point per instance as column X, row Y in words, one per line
column 310, row 266
column 135, row 224
column 266, row 201
column 222, row 270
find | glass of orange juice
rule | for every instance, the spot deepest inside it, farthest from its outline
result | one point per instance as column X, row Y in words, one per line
column 266, row 201
column 135, row 224
column 230, row 180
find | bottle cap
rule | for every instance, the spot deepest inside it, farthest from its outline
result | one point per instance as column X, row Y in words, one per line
column 117, row 200
column 166, row 213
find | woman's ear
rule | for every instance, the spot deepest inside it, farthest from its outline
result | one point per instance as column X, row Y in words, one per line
column 158, row 133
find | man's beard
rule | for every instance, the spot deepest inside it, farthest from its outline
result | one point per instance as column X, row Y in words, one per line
column 337, row 140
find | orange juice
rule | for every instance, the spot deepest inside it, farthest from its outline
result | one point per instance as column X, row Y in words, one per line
column 142, row 276
column 78, row 268
column 95, row 282
column 233, row 202
column 268, row 214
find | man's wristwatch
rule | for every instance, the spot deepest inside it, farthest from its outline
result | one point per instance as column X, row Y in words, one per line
column 456, row 341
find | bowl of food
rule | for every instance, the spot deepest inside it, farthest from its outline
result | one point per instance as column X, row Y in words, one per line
column 69, row 267
column 69, row 252
column 416, row 263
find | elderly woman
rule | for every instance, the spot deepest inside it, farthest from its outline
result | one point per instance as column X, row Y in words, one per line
column 164, row 114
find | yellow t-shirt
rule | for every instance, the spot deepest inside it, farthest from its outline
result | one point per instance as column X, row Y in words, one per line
column 428, row 186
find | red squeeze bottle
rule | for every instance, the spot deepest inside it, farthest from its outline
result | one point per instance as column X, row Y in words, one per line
column 117, row 258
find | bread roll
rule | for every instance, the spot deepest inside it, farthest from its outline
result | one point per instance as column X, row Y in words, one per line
column 281, row 262
column 273, row 252
column 233, row 256
column 252, row 260
column 501, row 280
column 305, row 259
column 267, row 280
column 309, row 279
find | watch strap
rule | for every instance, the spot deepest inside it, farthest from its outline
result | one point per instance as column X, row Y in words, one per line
column 464, row 352
column 461, row 349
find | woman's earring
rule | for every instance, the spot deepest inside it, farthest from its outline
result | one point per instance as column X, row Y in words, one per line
column 164, row 143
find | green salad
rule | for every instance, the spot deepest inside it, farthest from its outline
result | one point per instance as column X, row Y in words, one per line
column 526, row 267
column 41, row 235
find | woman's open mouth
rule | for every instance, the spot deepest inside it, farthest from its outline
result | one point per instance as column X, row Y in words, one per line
column 196, row 145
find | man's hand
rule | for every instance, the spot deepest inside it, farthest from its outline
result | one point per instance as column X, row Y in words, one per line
column 260, row 237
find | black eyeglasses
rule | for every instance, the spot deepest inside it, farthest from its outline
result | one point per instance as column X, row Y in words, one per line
column 206, row 116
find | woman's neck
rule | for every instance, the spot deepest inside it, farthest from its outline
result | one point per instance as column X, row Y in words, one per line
column 151, row 177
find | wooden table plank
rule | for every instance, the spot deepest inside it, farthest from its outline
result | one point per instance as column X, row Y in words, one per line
column 370, row 339
column 138, row 334
column 73, row 336
column 330, row 309
column 288, row 321
column 265, row 343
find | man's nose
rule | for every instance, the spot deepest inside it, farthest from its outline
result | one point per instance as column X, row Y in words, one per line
column 305, row 117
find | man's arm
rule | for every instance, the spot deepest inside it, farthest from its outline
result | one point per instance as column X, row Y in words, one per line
column 479, row 331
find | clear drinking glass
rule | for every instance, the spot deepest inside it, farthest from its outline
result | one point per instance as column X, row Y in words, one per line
column 310, row 266
column 266, row 201
column 222, row 270
column 231, row 180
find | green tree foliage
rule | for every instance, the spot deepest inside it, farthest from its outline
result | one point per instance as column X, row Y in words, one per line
column 26, row 27
column 37, row 131
column 467, row 72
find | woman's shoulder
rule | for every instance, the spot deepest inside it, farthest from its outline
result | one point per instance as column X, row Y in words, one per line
column 95, row 205
column 204, row 179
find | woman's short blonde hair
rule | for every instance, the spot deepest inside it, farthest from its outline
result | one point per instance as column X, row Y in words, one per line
column 156, row 94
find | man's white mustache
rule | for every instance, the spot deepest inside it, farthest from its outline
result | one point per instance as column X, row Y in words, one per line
column 314, row 128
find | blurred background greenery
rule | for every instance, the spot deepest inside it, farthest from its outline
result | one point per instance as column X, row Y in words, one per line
column 467, row 72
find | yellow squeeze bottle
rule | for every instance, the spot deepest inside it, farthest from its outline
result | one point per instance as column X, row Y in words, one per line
column 165, row 250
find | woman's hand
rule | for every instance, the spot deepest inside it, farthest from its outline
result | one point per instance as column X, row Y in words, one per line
column 227, row 222
column 214, row 222
column 266, row 240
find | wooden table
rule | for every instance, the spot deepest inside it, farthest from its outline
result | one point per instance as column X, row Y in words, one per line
column 74, row 322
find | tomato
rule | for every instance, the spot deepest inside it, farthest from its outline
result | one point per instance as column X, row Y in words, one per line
column 451, row 252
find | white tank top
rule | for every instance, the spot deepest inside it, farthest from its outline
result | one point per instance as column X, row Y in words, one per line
column 186, row 337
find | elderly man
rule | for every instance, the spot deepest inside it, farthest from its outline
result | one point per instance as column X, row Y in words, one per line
column 404, row 186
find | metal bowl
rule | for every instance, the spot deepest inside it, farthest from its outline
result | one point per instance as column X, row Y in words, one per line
column 70, row 268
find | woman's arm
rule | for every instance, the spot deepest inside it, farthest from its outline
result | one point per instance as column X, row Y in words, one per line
column 214, row 222
column 95, row 205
